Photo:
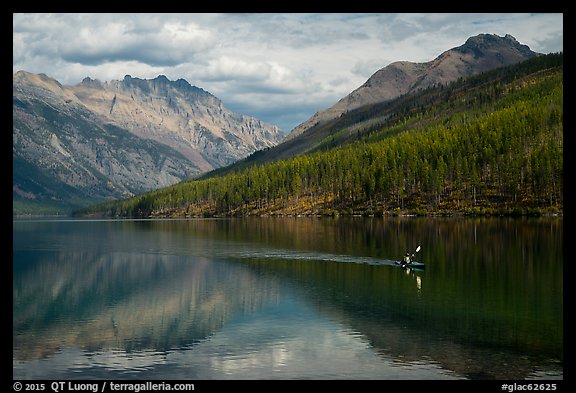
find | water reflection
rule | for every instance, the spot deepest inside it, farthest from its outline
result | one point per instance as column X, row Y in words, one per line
column 267, row 298
column 394, row 312
column 128, row 302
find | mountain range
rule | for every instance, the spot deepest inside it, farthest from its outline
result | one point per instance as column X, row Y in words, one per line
column 489, row 144
column 104, row 140
column 74, row 145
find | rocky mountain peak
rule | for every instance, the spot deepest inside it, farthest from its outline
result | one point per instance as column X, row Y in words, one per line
column 91, row 83
column 161, row 86
column 482, row 43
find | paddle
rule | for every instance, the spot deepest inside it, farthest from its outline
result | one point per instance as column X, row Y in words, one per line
column 415, row 252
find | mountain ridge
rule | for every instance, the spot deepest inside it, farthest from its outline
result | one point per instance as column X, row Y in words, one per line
column 358, row 108
column 200, row 126
column 478, row 54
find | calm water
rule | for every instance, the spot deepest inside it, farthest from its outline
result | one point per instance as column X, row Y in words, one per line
column 288, row 298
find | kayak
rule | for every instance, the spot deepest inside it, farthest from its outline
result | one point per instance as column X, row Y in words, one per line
column 413, row 265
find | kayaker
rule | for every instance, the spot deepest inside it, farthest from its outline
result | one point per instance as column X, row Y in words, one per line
column 406, row 260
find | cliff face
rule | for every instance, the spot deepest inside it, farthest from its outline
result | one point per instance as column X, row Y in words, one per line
column 101, row 140
column 184, row 117
column 478, row 54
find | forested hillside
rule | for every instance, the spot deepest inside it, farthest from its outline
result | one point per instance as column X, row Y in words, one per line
column 491, row 144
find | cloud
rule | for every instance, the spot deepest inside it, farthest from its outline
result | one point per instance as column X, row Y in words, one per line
column 116, row 41
column 274, row 31
column 96, row 39
column 278, row 67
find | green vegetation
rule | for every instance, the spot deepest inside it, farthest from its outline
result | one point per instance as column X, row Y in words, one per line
column 492, row 144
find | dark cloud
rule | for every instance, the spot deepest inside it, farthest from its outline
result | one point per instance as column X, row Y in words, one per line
column 141, row 52
column 167, row 45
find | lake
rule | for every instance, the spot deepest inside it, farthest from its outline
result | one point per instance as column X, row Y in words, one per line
column 288, row 298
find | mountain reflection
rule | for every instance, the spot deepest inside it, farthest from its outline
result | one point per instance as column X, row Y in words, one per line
column 120, row 301
column 261, row 298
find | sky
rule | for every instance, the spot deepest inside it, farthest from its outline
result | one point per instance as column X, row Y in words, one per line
column 280, row 68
